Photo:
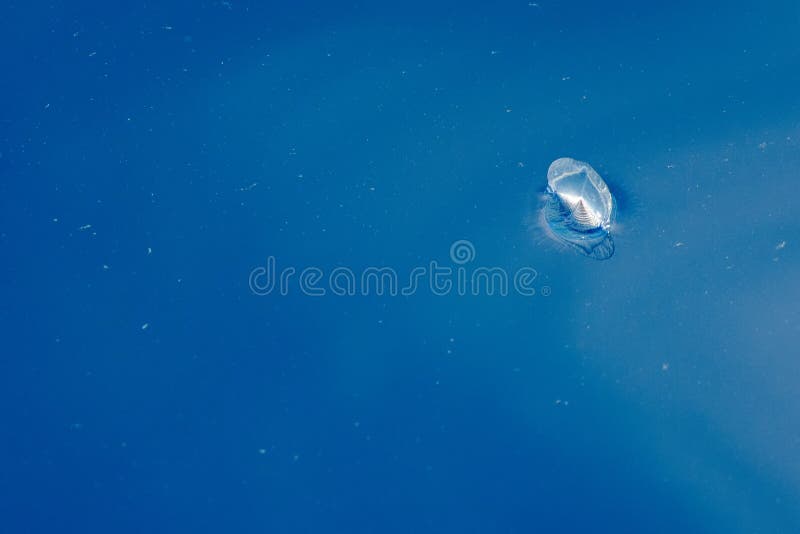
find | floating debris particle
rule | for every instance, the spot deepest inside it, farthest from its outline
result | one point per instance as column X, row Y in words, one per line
column 248, row 187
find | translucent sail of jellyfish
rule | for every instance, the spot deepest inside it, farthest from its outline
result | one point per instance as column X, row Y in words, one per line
column 580, row 208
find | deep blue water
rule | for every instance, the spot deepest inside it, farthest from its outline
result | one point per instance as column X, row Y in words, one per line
column 153, row 155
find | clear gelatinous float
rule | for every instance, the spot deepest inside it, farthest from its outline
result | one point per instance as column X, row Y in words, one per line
column 579, row 209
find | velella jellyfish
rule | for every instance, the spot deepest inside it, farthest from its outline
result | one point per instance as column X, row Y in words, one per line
column 579, row 209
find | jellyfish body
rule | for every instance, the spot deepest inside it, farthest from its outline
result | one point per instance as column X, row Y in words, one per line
column 579, row 209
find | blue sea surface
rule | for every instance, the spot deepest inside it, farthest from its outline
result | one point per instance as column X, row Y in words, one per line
column 156, row 158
